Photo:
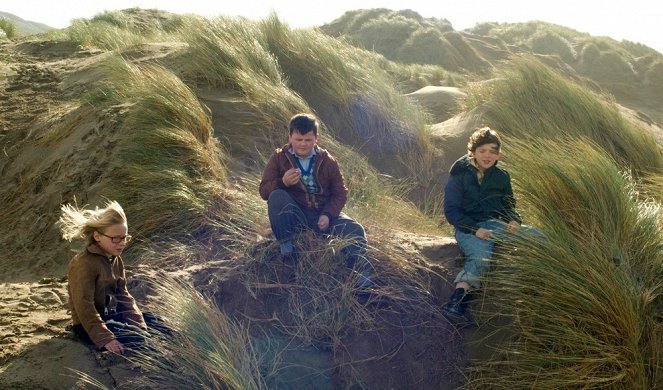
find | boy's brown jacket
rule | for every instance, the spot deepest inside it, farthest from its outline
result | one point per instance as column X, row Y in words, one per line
column 333, row 194
column 93, row 276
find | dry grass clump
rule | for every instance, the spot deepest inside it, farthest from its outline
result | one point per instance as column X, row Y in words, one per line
column 317, row 303
column 611, row 66
column 385, row 34
column 321, row 300
column 519, row 34
column 532, row 100
column 146, row 22
column 654, row 75
column 584, row 304
column 412, row 77
column 470, row 58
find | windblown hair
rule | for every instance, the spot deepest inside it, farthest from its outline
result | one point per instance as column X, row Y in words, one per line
column 483, row 136
column 81, row 223
column 303, row 123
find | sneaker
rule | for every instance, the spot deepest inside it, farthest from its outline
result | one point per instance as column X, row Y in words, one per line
column 456, row 309
column 289, row 259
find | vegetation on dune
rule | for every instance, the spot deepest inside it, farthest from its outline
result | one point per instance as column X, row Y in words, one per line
column 530, row 99
column 259, row 74
column 167, row 169
column 119, row 30
column 196, row 345
column 406, row 37
column 230, row 57
column 315, row 310
column 411, row 77
column 7, row 28
column 520, row 34
column 206, row 348
column 547, row 42
column 584, row 303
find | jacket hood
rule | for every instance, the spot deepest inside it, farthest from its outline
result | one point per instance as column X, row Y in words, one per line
column 460, row 165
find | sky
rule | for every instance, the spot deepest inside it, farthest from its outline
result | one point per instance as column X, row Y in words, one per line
column 634, row 20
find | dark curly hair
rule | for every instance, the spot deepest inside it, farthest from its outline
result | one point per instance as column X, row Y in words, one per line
column 483, row 136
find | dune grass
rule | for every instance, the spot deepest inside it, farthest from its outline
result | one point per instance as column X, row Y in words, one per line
column 531, row 99
column 584, row 304
column 120, row 30
column 7, row 28
column 412, row 77
column 520, row 33
column 206, row 348
column 227, row 60
column 167, row 169
column 356, row 98
column 320, row 296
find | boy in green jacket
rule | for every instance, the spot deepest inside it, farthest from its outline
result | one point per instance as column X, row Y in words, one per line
column 479, row 203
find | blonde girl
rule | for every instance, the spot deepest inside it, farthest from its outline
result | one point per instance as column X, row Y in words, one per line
column 102, row 310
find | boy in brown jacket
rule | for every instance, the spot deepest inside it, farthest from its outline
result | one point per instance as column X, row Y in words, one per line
column 304, row 188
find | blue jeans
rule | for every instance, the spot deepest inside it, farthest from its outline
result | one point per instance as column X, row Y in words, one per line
column 288, row 218
column 131, row 336
column 478, row 252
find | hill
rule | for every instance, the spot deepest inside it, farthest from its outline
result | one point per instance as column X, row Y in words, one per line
column 629, row 71
column 174, row 116
column 25, row 27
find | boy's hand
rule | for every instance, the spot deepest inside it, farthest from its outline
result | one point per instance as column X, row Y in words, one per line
column 291, row 177
column 323, row 222
column 483, row 234
column 512, row 226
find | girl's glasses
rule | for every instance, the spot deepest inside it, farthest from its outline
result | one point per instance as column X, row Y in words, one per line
column 117, row 239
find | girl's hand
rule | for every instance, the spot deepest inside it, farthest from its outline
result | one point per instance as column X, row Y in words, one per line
column 115, row 347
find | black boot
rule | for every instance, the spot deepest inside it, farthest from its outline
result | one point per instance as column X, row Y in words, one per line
column 456, row 308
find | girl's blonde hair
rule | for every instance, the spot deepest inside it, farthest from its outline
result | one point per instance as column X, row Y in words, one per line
column 80, row 223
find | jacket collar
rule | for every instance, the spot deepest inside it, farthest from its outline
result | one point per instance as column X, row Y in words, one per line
column 319, row 152
column 95, row 249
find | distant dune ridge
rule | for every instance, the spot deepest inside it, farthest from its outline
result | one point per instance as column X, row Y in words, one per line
column 174, row 116
column 25, row 27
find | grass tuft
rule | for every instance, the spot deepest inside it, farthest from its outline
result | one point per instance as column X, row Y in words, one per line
column 582, row 306
column 205, row 349
column 532, row 100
